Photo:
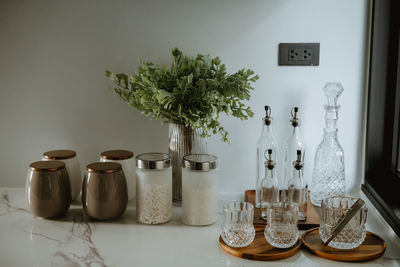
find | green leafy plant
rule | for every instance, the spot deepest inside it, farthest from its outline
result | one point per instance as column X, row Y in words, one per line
column 194, row 91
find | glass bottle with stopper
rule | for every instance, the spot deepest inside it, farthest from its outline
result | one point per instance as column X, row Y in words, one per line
column 269, row 186
column 328, row 174
column 294, row 142
column 298, row 188
column 266, row 141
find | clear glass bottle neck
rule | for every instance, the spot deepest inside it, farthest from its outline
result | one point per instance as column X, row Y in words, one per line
column 267, row 129
column 331, row 117
column 297, row 174
column 330, row 134
column 296, row 131
column 269, row 174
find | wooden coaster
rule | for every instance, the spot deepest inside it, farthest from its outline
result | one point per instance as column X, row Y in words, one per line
column 260, row 250
column 373, row 247
column 312, row 220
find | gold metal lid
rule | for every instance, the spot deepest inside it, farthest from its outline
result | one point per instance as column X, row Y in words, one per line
column 104, row 167
column 47, row 166
column 59, row 154
column 117, row 154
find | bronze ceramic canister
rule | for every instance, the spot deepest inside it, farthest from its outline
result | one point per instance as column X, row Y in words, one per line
column 48, row 189
column 104, row 191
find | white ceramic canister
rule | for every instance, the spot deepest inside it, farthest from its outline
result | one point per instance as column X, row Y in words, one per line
column 126, row 159
column 153, row 188
column 199, row 189
column 71, row 164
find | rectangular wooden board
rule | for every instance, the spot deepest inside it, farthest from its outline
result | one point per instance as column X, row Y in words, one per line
column 313, row 213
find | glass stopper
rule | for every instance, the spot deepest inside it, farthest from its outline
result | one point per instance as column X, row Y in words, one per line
column 332, row 91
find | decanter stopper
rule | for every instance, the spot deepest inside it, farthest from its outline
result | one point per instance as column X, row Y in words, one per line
column 332, row 92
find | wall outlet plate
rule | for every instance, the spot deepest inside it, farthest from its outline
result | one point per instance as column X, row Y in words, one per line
column 298, row 54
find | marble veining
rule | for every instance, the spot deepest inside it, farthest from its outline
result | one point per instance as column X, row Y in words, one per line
column 75, row 240
column 5, row 200
column 80, row 231
column 83, row 230
column 42, row 235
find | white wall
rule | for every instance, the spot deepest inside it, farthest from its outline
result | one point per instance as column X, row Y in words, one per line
column 53, row 93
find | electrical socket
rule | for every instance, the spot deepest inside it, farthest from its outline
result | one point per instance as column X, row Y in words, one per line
column 298, row 54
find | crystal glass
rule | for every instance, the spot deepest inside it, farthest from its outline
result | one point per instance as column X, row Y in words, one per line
column 281, row 229
column 266, row 141
column 328, row 174
column 237, row 225
column 353, row 234
column 182, row 141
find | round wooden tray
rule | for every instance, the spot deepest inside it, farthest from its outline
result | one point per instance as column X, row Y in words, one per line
column 260, row 250
column 373, row 247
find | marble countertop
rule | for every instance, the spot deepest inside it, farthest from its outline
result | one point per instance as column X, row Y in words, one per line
column 76, row 241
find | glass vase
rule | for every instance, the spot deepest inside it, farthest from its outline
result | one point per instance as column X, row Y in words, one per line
column 182, row 141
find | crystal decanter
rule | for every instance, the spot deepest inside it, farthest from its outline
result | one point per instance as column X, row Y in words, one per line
column 266, row 141
column 328, row 175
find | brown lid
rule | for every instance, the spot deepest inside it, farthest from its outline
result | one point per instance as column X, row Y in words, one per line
column 117, row 154
column 59, row 154
column 47, row 166
column 104, row 167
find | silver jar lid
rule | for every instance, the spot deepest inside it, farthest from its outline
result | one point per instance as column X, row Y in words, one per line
column 153, row 161
column 199, row 162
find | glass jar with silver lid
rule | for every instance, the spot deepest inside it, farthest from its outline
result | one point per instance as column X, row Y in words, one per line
column 153, row 188
column 199, row 189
